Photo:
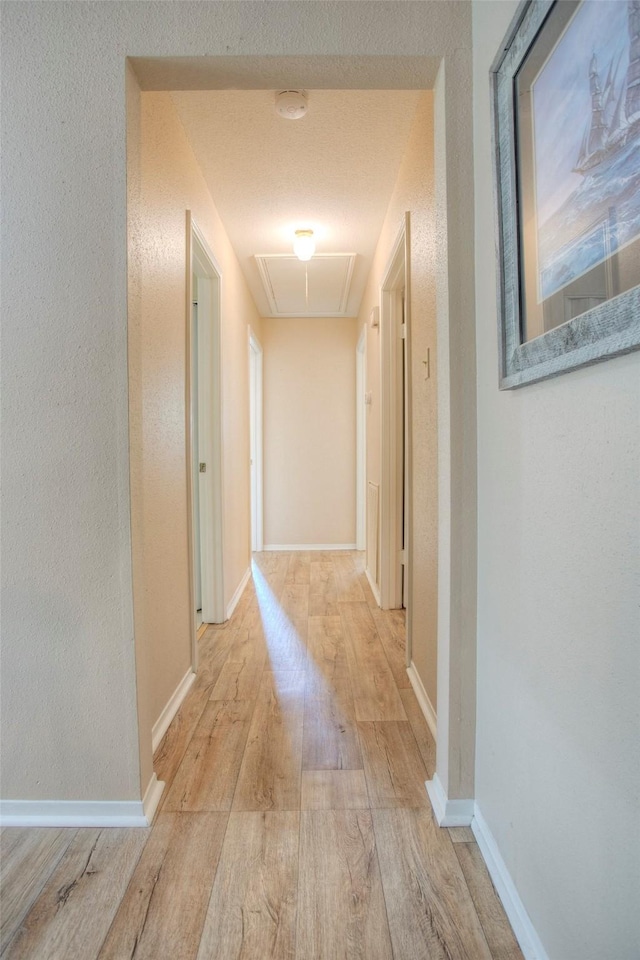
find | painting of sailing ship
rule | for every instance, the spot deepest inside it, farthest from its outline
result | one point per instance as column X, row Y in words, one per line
column 586, row 119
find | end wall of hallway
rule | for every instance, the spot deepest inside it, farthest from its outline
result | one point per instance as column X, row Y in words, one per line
column 309, row 395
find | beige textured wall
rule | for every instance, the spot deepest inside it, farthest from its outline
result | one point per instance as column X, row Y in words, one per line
column 558, row 729
column 309, row 430
column 68, row 676
column 171, row 183
column 143, row 650
column 414, row 191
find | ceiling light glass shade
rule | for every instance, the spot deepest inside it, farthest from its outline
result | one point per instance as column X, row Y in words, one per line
column 304, row 245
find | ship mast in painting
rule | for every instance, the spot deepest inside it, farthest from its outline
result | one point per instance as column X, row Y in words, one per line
column 615, row 110
column 632, row 105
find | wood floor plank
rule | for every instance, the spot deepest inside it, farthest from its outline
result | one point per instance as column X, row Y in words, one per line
column 424, row 737
column 341, row 910
column 28, row 857
column 369, row 597
column 375, row 694
column 239, row 679
column 252, row 909
column 294, row 600
column 497, row 930
column 287, row 645
column 323, row 556
column 393, row 766
column 390, row 625
column 288, row 685
column 269, row 777
column 245, row 606
column 461, row 835
column 270, row 573
column 240, row 676
column 216, row 632
column 296, row 725
column 348, row 589
column 431, row 914
column 322, row 590
column 246, row 603
column 298, row 570
column 206, row 778
column 328, row 666
column 163, row 911
column 173, row 745
column 269, row 561
column 71, row 917
column 334, row 790
column 330, row 737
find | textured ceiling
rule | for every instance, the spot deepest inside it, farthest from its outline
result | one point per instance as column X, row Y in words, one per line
column 333, row 171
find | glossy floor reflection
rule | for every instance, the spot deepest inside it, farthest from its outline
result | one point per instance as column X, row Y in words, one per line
column 294, row 822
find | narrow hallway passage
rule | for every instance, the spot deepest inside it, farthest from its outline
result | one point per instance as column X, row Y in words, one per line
column 294, row 822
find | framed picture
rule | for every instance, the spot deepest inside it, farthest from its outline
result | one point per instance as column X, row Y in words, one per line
column 566, row 123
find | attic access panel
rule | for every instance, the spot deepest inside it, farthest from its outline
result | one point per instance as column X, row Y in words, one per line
column 314, row 288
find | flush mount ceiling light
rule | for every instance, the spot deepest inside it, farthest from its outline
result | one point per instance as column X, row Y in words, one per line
column 291, row 104
column 304, row 245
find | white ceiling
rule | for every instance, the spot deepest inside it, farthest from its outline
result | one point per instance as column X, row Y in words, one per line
column 332, row 171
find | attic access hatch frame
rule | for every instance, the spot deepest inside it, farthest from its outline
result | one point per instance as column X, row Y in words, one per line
column 262, row 261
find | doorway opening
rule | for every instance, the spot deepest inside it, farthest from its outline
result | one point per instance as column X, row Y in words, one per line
column 395, row 505
column 448, row 387
column 204, row 436
column 255, row 439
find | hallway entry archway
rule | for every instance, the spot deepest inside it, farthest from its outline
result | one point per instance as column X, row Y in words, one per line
column 456, row 359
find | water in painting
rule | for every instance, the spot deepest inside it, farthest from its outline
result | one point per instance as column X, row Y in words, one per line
column 586, row 112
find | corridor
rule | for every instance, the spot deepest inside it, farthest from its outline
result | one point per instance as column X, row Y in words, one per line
column 294, row 822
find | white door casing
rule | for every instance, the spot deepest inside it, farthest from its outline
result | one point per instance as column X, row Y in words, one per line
column 255, row 428
column 396, row 463
column 361, row 441
column 208, row 417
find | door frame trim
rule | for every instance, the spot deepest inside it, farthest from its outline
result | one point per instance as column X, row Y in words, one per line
column 256, row 423
column 396, row 276
column 199, row 256
column 361, row 441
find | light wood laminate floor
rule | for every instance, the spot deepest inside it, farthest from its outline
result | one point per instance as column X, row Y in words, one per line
column 294, row 823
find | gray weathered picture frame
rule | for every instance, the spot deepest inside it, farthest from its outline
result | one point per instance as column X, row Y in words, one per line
column 609, row 329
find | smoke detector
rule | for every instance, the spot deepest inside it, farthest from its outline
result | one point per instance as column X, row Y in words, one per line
column 291, row 104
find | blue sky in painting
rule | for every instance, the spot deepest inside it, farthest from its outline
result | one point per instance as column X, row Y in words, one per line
column 562, row 100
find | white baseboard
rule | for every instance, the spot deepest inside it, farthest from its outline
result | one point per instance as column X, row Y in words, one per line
column 525, row 932
column 72, row 813
column 448, row 813
column 309, row 546
column 83, row 813
column 374, row 586
column 233, row 603
column 423, row 699
column 161, row 725
column 151, row 798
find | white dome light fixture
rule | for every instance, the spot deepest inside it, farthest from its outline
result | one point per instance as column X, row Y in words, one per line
column 304, row 246
column 291, row 104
